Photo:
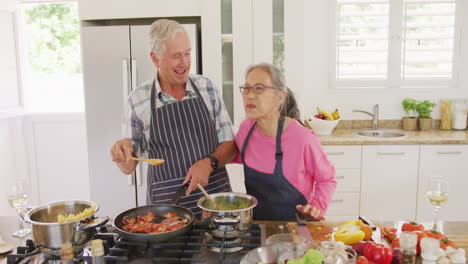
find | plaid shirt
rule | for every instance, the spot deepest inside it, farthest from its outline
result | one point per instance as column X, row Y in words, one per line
column 137, row 117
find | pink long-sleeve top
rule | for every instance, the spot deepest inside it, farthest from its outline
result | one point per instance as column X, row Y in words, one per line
column 305, row 164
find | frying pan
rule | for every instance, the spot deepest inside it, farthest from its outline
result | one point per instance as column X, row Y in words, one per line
column 158, row 210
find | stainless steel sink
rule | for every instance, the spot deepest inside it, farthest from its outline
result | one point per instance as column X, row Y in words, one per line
column 381, row 133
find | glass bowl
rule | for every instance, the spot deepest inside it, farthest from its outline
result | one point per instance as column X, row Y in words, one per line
column 279, row 248
column 259, row 255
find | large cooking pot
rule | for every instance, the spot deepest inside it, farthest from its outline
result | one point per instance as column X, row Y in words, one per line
column 228, row 223
column 49, row 235
column 158, row 210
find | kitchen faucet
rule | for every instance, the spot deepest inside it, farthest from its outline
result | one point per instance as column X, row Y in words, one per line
column 375, row 115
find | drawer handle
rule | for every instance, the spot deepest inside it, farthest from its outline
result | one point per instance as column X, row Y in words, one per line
column 391, row 153
column 340, row 177
column 449, row 152
column 337, row 201
column 335, row 153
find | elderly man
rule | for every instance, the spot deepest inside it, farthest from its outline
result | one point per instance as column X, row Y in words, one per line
column 178, row 118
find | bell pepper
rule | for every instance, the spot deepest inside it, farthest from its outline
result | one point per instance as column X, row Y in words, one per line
column 435, row 234
column 378, row 253
column 349, row 233
column 412, row 226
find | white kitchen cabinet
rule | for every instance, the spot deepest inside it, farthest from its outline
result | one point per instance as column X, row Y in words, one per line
column 450, row 161
column 347, row 163
column 389, row 182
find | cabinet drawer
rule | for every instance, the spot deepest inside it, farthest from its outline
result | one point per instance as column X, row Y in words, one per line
column 344, row 203
column 348, row 180
column 344, row 157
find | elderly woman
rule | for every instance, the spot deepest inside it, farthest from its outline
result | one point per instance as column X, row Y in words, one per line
column 285, row 166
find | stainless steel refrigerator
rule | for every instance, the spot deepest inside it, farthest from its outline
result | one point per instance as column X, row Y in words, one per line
column 115, row 61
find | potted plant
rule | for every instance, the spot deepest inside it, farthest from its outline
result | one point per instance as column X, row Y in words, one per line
column 410, row 121
column 424, row 109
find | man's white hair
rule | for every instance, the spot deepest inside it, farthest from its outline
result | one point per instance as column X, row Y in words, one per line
column 160, row 31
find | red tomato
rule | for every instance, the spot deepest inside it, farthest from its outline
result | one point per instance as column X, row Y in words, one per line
column 435, row 234
column 396, row 243
column 412, row 226
column 444, row 243
column 362, row 260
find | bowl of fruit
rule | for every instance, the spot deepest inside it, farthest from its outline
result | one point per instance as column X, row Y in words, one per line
column 323, row 122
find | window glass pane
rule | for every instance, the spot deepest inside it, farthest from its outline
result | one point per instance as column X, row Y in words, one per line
column 278, row 33
column 362, row 40
column 226, row 42
column 428, row 40
column 53, row 78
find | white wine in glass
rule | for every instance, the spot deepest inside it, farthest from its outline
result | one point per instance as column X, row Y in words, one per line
column 437, row 194
column 18, row 198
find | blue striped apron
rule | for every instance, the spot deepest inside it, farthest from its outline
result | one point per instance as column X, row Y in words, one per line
column 181, row 133
column 277, row 197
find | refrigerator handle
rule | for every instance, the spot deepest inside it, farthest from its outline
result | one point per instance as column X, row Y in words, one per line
column 138, row 171
column 134, row 74
column 126, row 92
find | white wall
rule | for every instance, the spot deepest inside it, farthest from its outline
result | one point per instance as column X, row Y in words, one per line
column 313, row 25
column 13, row 157
column 8, row 5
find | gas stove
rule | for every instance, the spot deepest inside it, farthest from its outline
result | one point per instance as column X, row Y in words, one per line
column 197, row 246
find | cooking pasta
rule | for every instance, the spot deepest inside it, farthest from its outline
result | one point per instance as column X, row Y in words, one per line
column 144, row 224
column 73, row 217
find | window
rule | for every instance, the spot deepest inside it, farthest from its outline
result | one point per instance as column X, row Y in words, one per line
column 397, row 43
column 52, row 78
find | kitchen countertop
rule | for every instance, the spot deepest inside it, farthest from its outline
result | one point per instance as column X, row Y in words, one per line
column 348, row 136
column 456, row 231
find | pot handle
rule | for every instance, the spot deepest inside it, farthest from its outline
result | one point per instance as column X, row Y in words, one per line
column 97, row 222
column 227, row 220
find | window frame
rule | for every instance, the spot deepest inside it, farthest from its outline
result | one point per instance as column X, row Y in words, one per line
column 394, row 61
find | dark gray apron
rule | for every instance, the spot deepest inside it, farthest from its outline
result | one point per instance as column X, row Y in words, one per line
column 181, row 133
column 277, row 197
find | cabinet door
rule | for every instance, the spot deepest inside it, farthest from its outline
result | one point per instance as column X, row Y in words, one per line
column 106, row 52
column 389, row 182
column 450, row 161
column 344, row 157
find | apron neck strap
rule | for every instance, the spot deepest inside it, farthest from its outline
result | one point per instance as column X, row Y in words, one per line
column 279, row 132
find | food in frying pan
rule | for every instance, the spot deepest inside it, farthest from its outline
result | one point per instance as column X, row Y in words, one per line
column 228, row 203
column 73, row 217
column 144, row 224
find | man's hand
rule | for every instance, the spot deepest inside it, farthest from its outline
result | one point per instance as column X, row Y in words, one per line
column 310, row 213
column 121, row 152
column 198, row 174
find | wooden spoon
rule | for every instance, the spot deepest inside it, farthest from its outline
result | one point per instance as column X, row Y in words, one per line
column 208, row 196
column 154, row 162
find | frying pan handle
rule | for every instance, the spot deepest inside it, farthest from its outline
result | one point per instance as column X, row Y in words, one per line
column 179, row 193
column 97, row 222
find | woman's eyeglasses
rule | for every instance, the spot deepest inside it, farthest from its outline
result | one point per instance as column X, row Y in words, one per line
column 257, row 89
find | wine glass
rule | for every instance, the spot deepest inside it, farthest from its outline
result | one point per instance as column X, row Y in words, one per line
column 437, row 194
column 18, row 198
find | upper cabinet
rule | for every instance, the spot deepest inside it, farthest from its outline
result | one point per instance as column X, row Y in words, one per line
column 450, row 161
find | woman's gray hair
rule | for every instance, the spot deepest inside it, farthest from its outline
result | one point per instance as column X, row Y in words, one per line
column 160, row 31
column 289, row 105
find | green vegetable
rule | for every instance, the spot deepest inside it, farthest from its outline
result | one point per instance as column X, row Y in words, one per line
column 312, row 256
column 424, row 108
column 409, row 106
column 227, row 203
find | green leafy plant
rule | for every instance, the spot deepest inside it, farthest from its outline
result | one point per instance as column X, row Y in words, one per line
column 409, row 106
column 424, row 108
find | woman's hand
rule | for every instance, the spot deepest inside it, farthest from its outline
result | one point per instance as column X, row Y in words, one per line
column 310, row 213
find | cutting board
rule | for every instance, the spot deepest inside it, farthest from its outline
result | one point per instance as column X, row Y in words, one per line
column 319, row 231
